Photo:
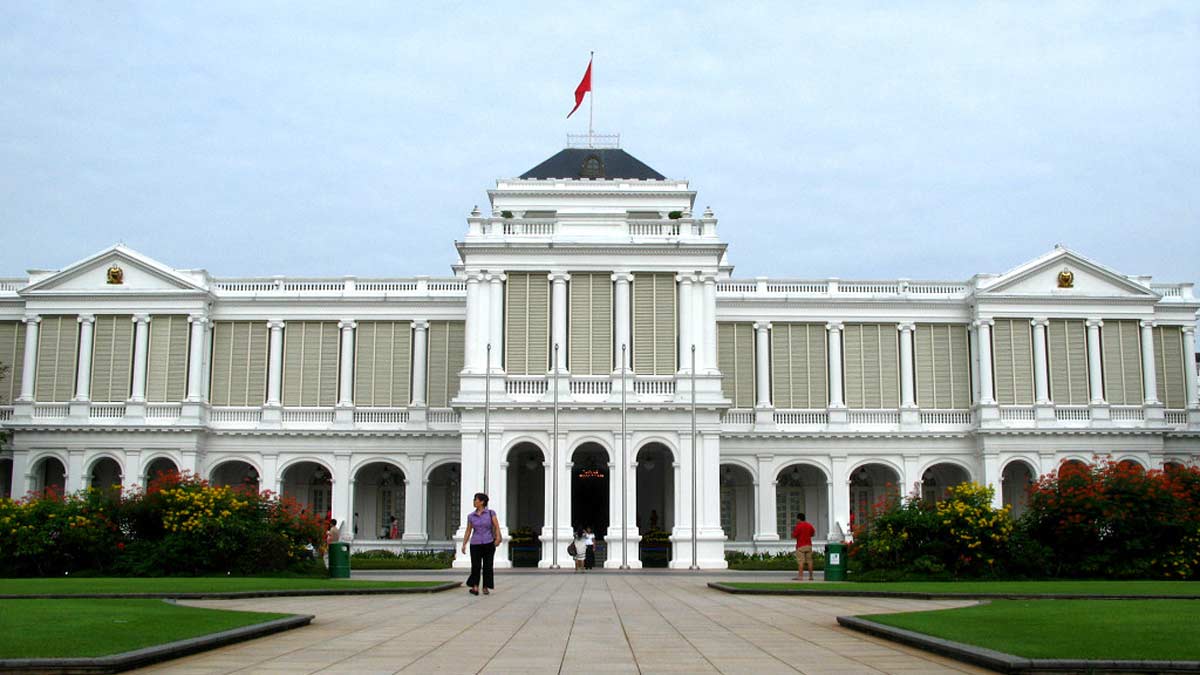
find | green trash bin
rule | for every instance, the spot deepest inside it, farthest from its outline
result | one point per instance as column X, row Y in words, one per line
column 339, row 560
column 835, row 561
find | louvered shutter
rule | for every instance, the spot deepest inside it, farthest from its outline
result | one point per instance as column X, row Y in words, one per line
column 1168, row 366
column 528, row 323
column 942, row 365
column 445, row 361
column 1013, row 361
column 735, row 358
column 799, row 364
column 654, row 323
column 58, row 346
column 591, row 324
column 310, row 363
column 1068, row 362
column 383, row 364
column 167, row 362
column 1122, row 352
column 872, row 366
column 12, row 354
column 112, row 358
column 239, row 363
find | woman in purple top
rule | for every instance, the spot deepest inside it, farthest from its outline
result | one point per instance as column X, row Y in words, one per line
column 483, row 534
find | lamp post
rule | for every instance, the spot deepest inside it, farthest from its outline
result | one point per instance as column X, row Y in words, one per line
column 624, row 474
column 487, row 404
column 554, row 469
column 694, row 566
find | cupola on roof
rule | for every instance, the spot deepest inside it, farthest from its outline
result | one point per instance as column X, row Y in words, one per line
column 598, row 163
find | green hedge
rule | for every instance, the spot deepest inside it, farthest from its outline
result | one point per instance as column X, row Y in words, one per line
column 784, row 560
column 386, row 560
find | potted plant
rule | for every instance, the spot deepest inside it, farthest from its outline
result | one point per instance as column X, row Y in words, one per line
column 524, row 547
column 655, row 548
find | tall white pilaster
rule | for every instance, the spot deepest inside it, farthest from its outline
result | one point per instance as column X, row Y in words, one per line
column 710, row 323
column 141, row 349
column 74, row 480
column 476, row 323
column 496, row 318
column 993, row 478
column 764, row 492
column 1149, row 377
column 195, row 391
column 621, row 318
column 1189, row 367
column 30, row 365
column 973, row 338
column 340, row 486
column 414, row 500
column 686, row 323
column 346, row 383
column 762, row 364
column 420, row 336
column 986, row 392
column 907, row 396
column 83, row 373
column 836, row 398
column 1095, row 374
column 275, row 363
column 1041, row 386
column 558, row 318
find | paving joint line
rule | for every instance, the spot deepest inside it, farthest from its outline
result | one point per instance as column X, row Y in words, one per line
column 537, row 607
column 676, row 629
column 570, row 633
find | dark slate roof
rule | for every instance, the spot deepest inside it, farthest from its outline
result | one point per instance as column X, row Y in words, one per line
column 613, row 163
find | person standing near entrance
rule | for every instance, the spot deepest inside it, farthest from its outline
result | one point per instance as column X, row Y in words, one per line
column 589, row 553
column 803, row 534
column 483, row 535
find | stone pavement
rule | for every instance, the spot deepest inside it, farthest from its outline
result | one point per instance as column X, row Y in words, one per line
column 563, row 622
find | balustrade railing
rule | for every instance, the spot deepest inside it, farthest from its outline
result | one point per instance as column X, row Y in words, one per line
column 654, row 385
column 775, row 287
column 307, row 416
column 590, row 385
column 42, row 411
column 342, row 286
column 388, row 416
column 11, row 284
column 6, row 413
column 163, row 412
column 225, row 415
column 946, row 417
column 738, row 417
column 106, row 411
column 1175, row 417
column 442, row 416
column 800, row 417
column 1017, row 413
column 1131, row 413
column 653, row 228
column 526, row 227
column 525, row 386
column 1064, row 413
column 873, row 416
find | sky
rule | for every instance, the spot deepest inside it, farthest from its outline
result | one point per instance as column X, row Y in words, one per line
column 855, row 140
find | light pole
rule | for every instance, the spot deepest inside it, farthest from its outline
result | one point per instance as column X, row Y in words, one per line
column 487, row 404
column 554, row 469
column 694, row 566
column 624, row 474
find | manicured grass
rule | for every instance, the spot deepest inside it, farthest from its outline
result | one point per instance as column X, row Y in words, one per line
column 1075, row 629
column 73, row 585
column 1179, row 588
column 81, row 628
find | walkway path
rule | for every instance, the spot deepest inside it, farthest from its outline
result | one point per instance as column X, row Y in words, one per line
column 551, row 623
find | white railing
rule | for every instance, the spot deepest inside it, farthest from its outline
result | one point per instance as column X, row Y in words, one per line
column 163, row 412
column 442, row 416
column 590, row 385
column 873, row 416
column 946, row 417
column 307, row 416
column 6, row 413
column 1168, row 290
column 447, row 286
column 798, row 287
column 235, row 415
column 872, row 288
column 106, row 411
column 654, row 385
column 525, row 386
column 1072, row 413
column 528, row 228
column 1017, row 413
column 388, row 416
column 653, row 228
column 736, row 287
column 1175, row 417
column 1131, row 413
column 385, row 286
column 342, row 286
column 772, row 287
column 11, row 284
column 935, row 288
column 800, row 417
column 46, row 411
column 742, row 417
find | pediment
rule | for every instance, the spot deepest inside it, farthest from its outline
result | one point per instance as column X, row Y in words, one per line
column 1064, row 273
column 116, row 269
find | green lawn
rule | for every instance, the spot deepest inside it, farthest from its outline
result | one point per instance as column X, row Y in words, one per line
column 1179, row 588
column 81, row 628
column 1076, row 629
column 69, row 585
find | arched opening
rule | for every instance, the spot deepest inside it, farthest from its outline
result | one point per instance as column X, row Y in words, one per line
column 801, row 488
column 158, row 468
column 589, row 489
column 236, row 474
column 525, row 511
column 1168, row 466
column 380, row 500
column 1131, row 465
column 655, row 504
column 939, row 478
column 49, row 476
column 444, row 513
column 6, row 478
column 105, row 475
column 1016, row 481
column 311, row 485
column 737, row 503
column 871, row 487
column 1070, row 466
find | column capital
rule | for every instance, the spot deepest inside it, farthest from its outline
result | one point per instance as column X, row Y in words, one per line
column 141, row 318
column 1095, row 323
column 685, row 277
column 347, row 324
column 31, row 318
column 558, row 277
column 420, row 324
column 708, row 278
column 1039, row 322
column 275, row 324
column 834, row 326
column 762, row 325
column 906, row 326
column 496, row 277
column 627, row 277
column 86, row 318
column 1188, row 329
column 475, row 277
column 197, row 318
column 1149, row 323
column 977, row 323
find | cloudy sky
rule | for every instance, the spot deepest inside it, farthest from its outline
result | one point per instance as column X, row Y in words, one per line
column 926, row 140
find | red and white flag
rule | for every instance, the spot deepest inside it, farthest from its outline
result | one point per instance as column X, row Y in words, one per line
column 585, row 85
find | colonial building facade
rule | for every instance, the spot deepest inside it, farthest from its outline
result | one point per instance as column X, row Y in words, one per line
column 592, row 361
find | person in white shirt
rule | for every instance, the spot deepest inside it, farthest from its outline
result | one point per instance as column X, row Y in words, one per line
column 589, row 556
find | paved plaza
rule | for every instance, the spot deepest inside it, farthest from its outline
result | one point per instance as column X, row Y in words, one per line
column 563, row 622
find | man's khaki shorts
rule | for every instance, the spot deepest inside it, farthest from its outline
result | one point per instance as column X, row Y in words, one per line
column 804, row 554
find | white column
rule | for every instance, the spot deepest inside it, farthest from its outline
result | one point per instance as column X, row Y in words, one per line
column 141, row 348
column 420, row 334
column 710, row 323
column 764, row 488
column 414, row 499
column 984, row 329
column 83, row 373
column 1149, row 378
column 341, row 485
column 993, row 478
column 686, row 336
column 346, row 385
column 1095, row 374
column 30, row 366
column 75, row 480
column 275, row 362
column 475, row 324
column 496, row 319
column 973, row 338
column 836, row 399
column 621, row 317
column 762, row 363
column 1041, row 387
column 196, row 358
column 558, row 318
column 698, row 331
column 907, row 397
column 840, row 493
column 1189, row 367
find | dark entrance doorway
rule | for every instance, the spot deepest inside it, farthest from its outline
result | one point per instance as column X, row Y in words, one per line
column 589, row 489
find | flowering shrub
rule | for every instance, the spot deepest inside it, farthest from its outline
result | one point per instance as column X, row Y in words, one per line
column 178, row 525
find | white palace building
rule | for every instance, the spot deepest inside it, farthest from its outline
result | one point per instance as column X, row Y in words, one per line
column 591, row 341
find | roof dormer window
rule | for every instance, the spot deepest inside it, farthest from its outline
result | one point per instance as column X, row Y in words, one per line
column 592, row 167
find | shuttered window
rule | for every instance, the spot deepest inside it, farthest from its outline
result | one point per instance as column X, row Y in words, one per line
column 735, row 358
column 591, row 324
column 799, row 366
column 527, row 324
column 445, row 361
column 310, row 363
column 112, row 358
column 1012, row 351
column 167, row 362
column 58, row 346
column 1068, row 362
column 1122, row 351
column 654, row 323
column 382, row 364
column 12, row 355
column 942, row 365
column 872, row 365
column 1168, row 366
column 239, row 363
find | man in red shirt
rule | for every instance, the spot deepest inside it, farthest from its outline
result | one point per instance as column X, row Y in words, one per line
column 803, row 533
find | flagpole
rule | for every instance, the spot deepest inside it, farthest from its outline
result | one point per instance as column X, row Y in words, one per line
column 554, row 468
column 624, row 473
column 487, row 404
column 591, row 101
column 695, row 458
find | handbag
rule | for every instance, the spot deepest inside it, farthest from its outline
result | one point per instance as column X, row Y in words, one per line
column 571, row 550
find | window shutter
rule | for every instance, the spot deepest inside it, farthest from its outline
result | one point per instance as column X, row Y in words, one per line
column 1168, row 366
column 735, row 358
column 798, row 366
column 445, row 361
column 1122, row 353
column 166, row 364
column 528, row 323
column 12, row 354
column 383, row 364
column 591, row 324
column 781, row 367
column 58, row 345
column 112, row 358
column 1013, row 356
column 239, row 363
column 1068, row 361
column 654, row 323
column 942, row 366
column 872, row 366
column 310, row 359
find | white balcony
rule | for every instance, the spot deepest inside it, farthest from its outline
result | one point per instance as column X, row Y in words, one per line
column 107, row 411
column 654, row 386
column 381, row 416
column 590, row 386
column 526, row 387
